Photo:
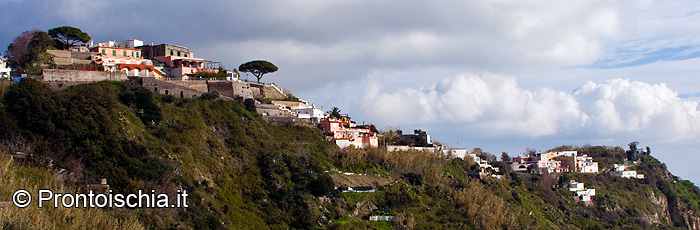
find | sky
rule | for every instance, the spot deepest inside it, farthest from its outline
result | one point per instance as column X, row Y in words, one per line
column 499, row 75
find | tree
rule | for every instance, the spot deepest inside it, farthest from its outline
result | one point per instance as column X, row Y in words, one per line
column 69, row 35
column 17, row 50
column 632, row 151
column 27, row 51
column 258, row 68
column 335, row 113
column 505, row 157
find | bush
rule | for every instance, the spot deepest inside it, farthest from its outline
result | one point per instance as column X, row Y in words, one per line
column 210, row 95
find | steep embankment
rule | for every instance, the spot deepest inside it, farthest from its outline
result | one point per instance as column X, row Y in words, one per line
column 243, row 173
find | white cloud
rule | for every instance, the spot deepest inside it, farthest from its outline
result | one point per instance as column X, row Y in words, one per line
column 623, row 106
column 497, row 106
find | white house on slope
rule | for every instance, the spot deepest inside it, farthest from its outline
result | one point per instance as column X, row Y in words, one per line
column 580, row 191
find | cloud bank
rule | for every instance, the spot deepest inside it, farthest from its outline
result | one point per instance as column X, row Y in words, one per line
column 496, row 106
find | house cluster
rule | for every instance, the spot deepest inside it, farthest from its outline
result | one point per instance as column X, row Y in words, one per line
column 624, row 171
column 135, row 59
column 555, row 162
column 300, row 109
column 580, row 191
column 345, row 132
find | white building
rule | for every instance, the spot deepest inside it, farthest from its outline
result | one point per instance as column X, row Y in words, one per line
column 586, row 194
column 129, row 44
column 455, row 152
column 576, row 186
column 483, row 164
column 585, row 164
column 312, row 113
column 580, row 191
column 4, row 69
column 621, row 171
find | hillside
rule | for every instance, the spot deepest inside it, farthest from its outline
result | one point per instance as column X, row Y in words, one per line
column 243, row 173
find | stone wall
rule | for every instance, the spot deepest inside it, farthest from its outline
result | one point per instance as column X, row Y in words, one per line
column 168, row 88
column 62, row 75
column 229, row 89
column 200, row 85
column 290, row 104
column 268, row 91
column 225, row 88
column 243, row 89
column 65, row 57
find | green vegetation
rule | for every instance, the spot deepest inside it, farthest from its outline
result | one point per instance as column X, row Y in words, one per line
column 28, row 52
column 14, row 177
column 258, row 68
column 221, row 74
column 243, row 173
column 68, row 36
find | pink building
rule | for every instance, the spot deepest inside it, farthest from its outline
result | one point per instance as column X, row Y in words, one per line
column 184, row 68
column 179, row 61
column 345, row 133
column 117, row 59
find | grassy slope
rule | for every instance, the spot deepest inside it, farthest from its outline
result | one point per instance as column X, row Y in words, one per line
column 14, row 177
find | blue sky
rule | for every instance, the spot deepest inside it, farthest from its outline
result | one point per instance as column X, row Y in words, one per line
column 499, row 75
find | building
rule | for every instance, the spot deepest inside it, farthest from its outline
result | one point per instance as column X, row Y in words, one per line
column 629, row 174
column 575, row 186
column 582, row 164
column 5, row 70
column 483, row 164
column 312, row 113
column 585, row 164
column 550, row 166
column 621, row 171
column 179, row 61
column 418, row 139
column 357, row 189
column 522, row 163
column 382, row 218
column 345, row 133
column 580, row 191
column 455, row 152
column 164, row 50
column 122, row 59
column 129, row 44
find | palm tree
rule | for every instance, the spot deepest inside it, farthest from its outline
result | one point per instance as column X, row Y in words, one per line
column 335, row 113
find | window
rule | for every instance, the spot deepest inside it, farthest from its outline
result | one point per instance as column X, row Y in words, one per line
column 114, row 53
column 104, row 52
column 137, row 54
column 124, row 54
column 171, row 52
column 178, row 53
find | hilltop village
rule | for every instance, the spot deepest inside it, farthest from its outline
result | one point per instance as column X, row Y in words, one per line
column 175, row 70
